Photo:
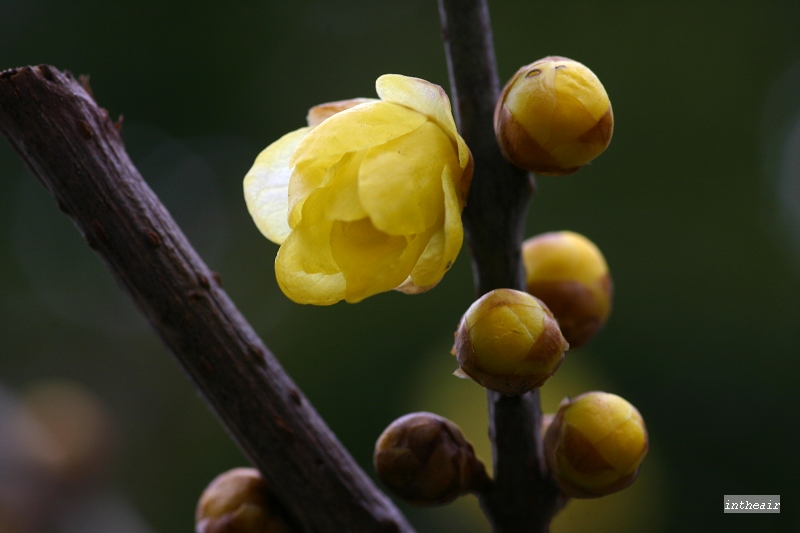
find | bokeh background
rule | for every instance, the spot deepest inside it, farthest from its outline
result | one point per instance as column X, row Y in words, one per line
column 696, row 206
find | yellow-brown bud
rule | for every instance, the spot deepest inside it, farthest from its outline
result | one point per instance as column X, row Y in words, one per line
column 238, row 501
column 425, row 460
column 509, row 342
column 595, row 445
column 568, row 273
column 553, row 117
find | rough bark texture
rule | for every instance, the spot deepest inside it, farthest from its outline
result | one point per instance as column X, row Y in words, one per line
column 73, row 148
column 523, row 497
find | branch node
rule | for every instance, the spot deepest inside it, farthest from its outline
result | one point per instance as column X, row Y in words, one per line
column 257, row 356
column 99, row 231
column 153, row 238
column 47, row 72
column 83, row 79
column 86, row 129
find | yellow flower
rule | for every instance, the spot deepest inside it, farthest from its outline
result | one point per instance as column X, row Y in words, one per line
column 367, row 198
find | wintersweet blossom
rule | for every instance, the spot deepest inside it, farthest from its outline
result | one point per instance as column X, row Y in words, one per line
column 367, row 198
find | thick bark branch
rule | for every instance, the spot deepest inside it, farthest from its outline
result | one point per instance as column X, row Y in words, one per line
column 523, row 496
column 73, row 148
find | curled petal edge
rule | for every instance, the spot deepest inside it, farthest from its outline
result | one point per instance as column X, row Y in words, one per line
column 425, row 97
column 266, row 186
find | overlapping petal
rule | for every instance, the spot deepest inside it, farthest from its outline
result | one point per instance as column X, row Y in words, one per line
column 399, row 182
column 344, row 202
column 427, row 98
column 322, row 112
column 445, row 244
column 371, row 260
column 305, row 267
column 535, row 93
column 266, row 186
column 358, row 128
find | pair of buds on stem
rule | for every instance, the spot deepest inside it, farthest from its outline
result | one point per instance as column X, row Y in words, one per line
column 511, row 341
column 594, row 446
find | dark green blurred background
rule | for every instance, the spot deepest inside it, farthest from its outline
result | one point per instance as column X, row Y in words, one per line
column 696, row 206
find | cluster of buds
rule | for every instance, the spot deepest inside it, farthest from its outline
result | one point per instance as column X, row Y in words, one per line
column 595, row 444
column 554, row 117
column 367, row 198
column 508, row 341
column 238, row 501
column 425, row 460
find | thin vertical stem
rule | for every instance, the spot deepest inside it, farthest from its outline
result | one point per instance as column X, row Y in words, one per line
column 523, row 496
column 494, row 218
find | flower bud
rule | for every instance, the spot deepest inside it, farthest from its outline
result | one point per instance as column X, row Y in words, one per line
column 568, row 273
column 425, row 460
column 553, row 117
column 238, row 501
column 509, row 342
column 595, row 445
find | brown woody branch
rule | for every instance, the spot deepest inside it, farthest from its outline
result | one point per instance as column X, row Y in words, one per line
column 77, row 153
column 523, row 496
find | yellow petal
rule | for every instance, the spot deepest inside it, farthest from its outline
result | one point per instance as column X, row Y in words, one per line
column 319, row 113
column 532, row 100
column 598, row 415
column 354, row 129
column 400, row 184
column 570, row 120
column 577, row 80
column 372, row 261
column 305, row 268
column 266, row 186
column 501, row 333
column 357, row 128
column 427, row 98
column 307, row 177
column 343, row 202
column 445, row 244
column 623, row 447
